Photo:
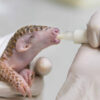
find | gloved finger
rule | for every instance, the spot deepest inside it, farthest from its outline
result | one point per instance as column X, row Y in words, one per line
column 42, row 66
column 93, row 30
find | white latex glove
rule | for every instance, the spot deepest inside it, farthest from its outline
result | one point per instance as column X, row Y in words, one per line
column 8, row 93
column 90, row 35
column 83, row 79
column 93, row 30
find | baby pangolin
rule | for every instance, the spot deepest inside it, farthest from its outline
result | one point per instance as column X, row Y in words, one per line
column 24, row 45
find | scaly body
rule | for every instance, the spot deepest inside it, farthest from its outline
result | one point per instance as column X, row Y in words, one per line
column 25, row 44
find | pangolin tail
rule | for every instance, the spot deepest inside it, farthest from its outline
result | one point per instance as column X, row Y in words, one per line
column 10, row 76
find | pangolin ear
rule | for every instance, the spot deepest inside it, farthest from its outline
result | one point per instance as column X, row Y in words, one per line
column 22, row 45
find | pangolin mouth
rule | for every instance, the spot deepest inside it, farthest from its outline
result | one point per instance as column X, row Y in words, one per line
column 57, row 32
column 57, row 41
column 54, row 34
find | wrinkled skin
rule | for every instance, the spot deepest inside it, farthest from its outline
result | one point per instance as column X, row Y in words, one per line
column 27, row 47
column 23, row 55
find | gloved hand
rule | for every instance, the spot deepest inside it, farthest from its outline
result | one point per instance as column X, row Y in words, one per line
column 83, row 79
column 39, row 66
column 93, row 30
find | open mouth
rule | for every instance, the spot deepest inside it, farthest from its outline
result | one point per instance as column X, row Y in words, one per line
column 56, row 31
column 57, row 41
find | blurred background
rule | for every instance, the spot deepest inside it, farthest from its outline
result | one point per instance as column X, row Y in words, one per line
column 67, row 15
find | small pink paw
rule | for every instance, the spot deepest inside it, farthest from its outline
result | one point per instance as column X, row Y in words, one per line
column 28, row 75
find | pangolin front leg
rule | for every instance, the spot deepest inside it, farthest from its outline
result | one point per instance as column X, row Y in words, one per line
column 28, row 75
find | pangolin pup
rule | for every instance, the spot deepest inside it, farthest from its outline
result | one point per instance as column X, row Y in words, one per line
column 24, row 45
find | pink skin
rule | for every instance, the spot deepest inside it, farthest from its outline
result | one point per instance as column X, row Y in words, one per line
column 27, row 47
column 27, row 75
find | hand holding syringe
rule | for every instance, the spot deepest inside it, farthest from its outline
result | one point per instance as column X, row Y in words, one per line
column 85, row 69
column 91, row 35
